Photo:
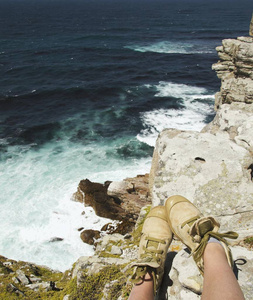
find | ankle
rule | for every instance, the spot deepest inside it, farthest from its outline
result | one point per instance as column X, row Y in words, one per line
column 214, row 251
column 147, row 277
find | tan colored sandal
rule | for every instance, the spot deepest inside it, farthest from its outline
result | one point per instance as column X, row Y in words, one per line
column 155, row 241
column 194, row 230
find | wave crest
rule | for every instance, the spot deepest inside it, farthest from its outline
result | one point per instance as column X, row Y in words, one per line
column 170, row 47
column 197, row 106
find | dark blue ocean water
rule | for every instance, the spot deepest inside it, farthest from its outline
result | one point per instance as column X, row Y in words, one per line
column 85, row 87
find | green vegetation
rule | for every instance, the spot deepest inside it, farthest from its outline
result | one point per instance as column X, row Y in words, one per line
column 249, row 241
column 136, row 234
column 92, row 286
column 111, row 281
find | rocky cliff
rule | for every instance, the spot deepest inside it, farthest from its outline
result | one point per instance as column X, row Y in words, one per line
column 213, row 168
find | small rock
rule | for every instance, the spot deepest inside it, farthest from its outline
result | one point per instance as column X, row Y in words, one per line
column 15, row 280
column 12, row 288
column 35, row 279
column 47, row 286
column 116, row 250
column 55, row 239
column 23, row 279
column 7, row 263
column 127, row 236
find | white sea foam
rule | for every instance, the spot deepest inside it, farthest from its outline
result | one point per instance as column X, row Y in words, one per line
column 35, row 205
column 191, row 117
column 171, row 47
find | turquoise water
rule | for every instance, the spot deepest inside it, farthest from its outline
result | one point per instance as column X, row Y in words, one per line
column 85, row 88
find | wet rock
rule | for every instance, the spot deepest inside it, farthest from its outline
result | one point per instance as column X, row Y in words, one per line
column 55, row 239
column 96, row 197
column 121, row 201
column 115, row 200
column 89, row 236
column 122, row 227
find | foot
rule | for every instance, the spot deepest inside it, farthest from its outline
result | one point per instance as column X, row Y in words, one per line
column 155, row 241
column 194, row 230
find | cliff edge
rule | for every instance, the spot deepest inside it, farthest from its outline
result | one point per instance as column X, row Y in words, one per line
column 214, row 168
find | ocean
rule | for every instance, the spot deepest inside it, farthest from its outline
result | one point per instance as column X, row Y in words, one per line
column 85, row 89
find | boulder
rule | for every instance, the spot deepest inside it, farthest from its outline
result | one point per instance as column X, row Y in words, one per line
column 133, row 192
column 122, row 227
column 235, row 119
column 116, row 200
column 90, row 236
column 22, row 278
column 120, row 201
column 210, row 170
column 96, row 196
column 13, row 289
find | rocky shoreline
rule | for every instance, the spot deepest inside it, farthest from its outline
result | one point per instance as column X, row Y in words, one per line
column 213, row 168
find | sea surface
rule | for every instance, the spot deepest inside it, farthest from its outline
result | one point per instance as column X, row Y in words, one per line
column 85, row 88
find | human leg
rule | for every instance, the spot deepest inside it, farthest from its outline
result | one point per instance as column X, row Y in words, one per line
column 154, row 243
column 214, row 260
column 144, row 290
column 219, row 280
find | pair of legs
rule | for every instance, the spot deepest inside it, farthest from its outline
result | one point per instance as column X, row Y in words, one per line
column 208, row 247
column 219, row 280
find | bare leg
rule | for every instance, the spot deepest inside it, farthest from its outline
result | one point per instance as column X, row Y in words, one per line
column 219, row 280
column 144, row 290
